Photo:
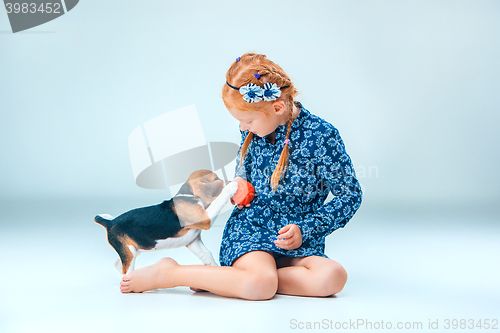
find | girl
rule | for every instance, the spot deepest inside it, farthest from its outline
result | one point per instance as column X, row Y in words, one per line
column 294, row 159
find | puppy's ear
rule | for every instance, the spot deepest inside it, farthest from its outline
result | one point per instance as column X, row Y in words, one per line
column 185, row 189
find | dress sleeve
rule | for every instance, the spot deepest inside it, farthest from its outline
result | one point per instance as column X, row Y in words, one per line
column 244, row 171
column 334, row 168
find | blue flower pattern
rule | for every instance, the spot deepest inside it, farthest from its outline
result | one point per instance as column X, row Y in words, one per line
column 318, row 164
column 270, row 92
column 252, row 93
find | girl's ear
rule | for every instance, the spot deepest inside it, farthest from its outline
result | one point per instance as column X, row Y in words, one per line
column 279, row 107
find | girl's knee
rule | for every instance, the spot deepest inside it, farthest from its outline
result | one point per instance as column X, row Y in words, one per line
column 332, row 280
column 260, row 285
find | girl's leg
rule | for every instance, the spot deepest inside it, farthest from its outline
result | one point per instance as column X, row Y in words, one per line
column 253, row 276
column 310, row 276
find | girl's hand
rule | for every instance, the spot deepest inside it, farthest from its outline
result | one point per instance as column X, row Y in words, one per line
column 239, row 206
column 237, row 179
column 290, row 237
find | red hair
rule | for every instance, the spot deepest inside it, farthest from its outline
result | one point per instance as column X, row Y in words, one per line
column 242, row 73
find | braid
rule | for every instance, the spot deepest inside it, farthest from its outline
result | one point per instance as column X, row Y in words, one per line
column 283, row 161
column 282, row 81
column 244, row 148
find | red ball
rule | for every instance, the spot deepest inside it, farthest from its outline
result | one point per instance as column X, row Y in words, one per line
column 245, row 193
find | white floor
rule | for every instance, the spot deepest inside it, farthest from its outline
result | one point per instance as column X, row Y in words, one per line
column 404, row 269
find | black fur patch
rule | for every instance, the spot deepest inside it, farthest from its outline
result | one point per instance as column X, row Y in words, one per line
column 147, row 224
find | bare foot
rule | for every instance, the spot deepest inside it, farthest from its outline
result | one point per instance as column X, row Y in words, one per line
column 150, row 277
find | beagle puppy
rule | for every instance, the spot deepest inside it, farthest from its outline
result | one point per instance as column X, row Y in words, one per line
column 173, row 223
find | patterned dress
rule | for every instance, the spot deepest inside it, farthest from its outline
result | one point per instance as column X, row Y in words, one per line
column 318, row 164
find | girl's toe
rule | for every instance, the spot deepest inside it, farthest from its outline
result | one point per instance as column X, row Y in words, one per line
column 125, row 286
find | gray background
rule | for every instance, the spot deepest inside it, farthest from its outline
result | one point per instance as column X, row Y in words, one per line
column 411, row 85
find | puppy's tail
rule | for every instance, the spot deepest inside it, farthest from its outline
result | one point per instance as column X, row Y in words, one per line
column 105, row 220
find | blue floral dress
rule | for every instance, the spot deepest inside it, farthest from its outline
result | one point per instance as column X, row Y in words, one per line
column 318, row 164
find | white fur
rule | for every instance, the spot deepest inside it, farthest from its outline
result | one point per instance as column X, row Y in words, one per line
column 174, row 242
column 135, row 253
column 106, row 216
column 199, row 249
column 219, row 203
column 118, row 265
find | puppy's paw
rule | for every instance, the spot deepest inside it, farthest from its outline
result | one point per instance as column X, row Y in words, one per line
column 232, row 188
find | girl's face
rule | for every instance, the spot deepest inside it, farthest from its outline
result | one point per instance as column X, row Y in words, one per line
column 261, row 123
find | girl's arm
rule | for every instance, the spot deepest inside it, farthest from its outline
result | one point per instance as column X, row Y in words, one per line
column 243, row 172
column 335, row 169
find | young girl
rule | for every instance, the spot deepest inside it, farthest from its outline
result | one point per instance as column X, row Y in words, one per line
column 294, row 159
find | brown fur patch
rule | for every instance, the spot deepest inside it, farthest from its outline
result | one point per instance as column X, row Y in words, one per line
column 205, row 184
column 190, row 214
column 120, row 244
column 203, row 225
column 129, row 241
column 181, row 232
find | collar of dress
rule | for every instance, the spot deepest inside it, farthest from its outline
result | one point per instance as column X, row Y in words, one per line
column 280, row 131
